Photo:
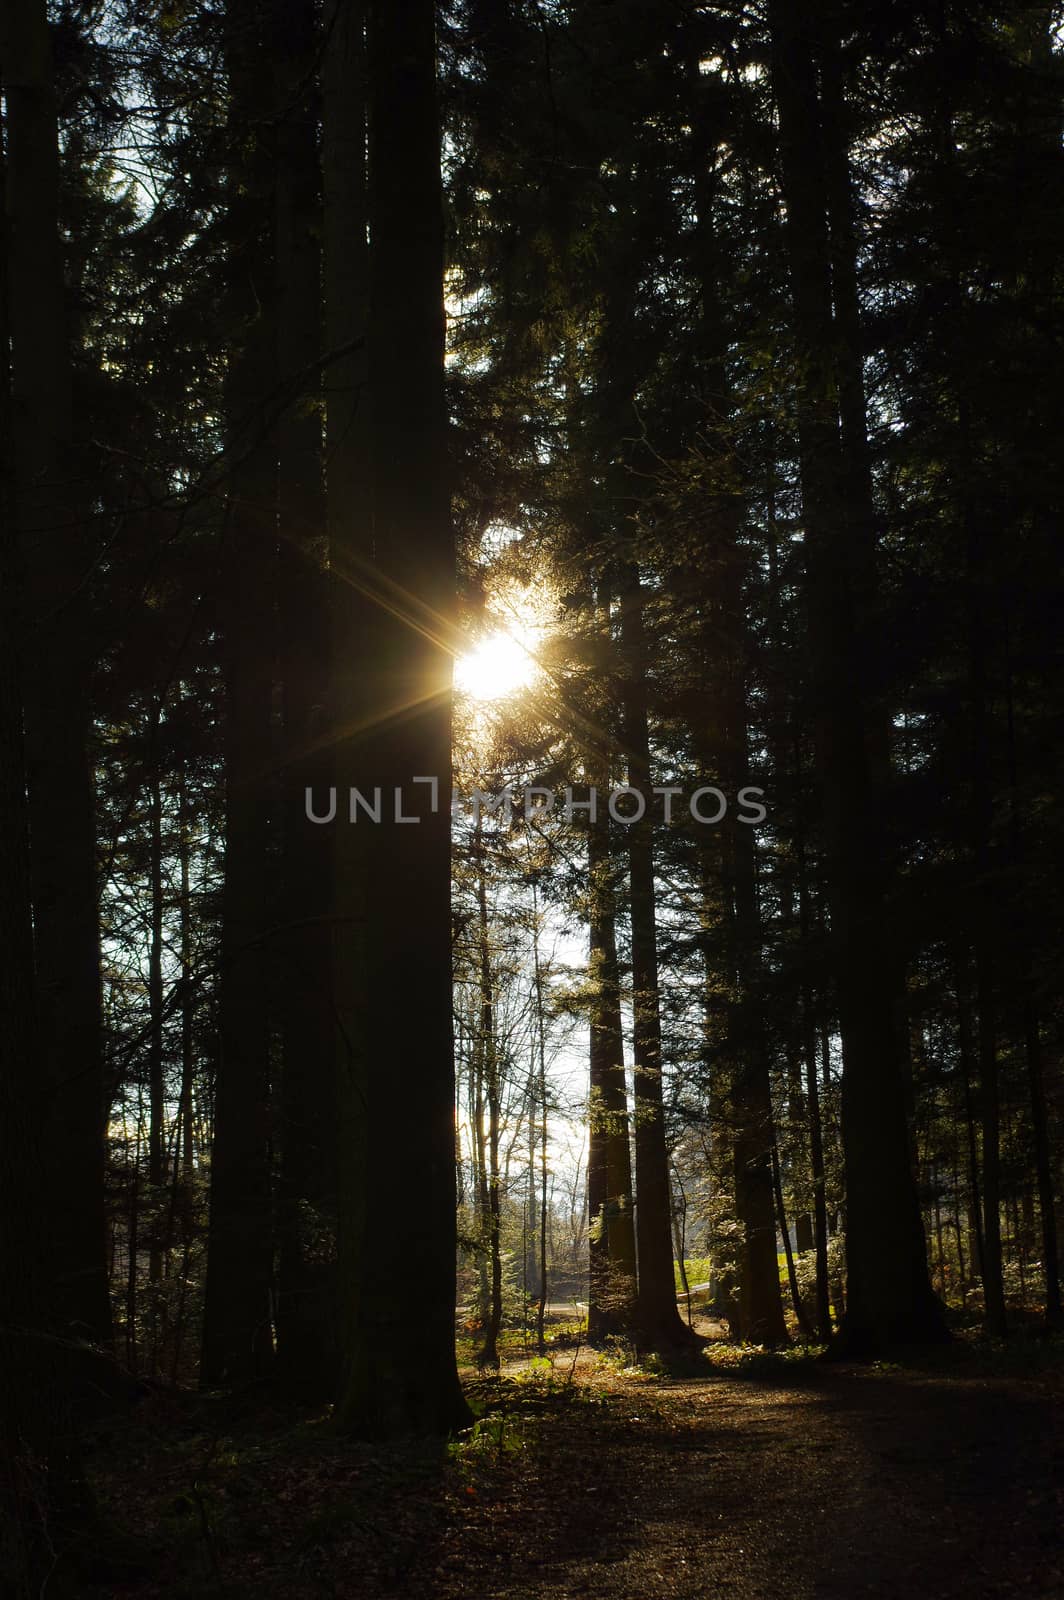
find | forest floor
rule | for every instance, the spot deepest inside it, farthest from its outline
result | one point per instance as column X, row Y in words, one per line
column 745, row 1476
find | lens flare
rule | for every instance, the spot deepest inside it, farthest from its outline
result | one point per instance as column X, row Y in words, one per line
column 498, row 665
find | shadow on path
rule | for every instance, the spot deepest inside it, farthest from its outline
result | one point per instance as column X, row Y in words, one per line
column 846, row 1483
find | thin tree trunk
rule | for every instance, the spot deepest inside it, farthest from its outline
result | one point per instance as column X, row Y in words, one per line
column 1031, row 1031
column 822, row 1299
column 788, row 1253
column 745, row 1065
column 964, row 1037
column 760, row 1302
column 541, row 1041
column 989, row 1123
column 679, row 1235
column 156, row 1083
column 188, row 1066
column 955, row 1209
column 237, row 1334
column 544, row 1215
column 612, row 1290
column 659, row 1323
column 1043, row 1168
column 529, row 1230
column 816, row 1162
column 478, row 1109
column 936, row 1212
column 981, row 823
column 488, row 1356
column 133, row 1238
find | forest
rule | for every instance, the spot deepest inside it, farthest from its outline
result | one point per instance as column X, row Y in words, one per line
column 531, row 856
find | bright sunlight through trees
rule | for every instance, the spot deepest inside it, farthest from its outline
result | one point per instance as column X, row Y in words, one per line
column 498, row 665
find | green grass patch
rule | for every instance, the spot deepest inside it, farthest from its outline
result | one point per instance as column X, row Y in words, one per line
column 758, row 1361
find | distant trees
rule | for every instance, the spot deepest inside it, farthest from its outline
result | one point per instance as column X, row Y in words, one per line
column 759, row 448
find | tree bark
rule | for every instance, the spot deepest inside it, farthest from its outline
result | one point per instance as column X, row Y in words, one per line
column 612, row 1246
column 306, row 1265
column 1043, row 1166
column 345, row 278
column 761, row 1319
column 56, row 674
column 156, row 1076
column 27, row 1418
column 541, row 1050
column 816, row 1162
column 237, row 1332
column 788, row 1253
column 186, row 1104
column 721, row 741
column 401, row 1375
column 889, row 1296
column 989, row 1125
column 489, row 1353
column 660, row 1325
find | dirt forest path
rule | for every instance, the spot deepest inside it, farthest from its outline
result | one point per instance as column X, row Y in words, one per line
column 848, row 1483
column 797, row 1481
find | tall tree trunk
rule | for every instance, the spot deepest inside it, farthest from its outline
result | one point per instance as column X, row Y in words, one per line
column 27, row 1418
column 345, row 278
column 541, row 1048
column 1039, row 127
column 612, row 1291
column 159, row 1236
column 760, row 1302
column 979, row 579
column 56, row 673
column 1032, row 1037
column 889, row 1296
column 156, row 1079
column 812, row 1100
column 529, row 1230
column 816, row 1162
column 481, row 1181
column 491, row 1219
column 761, row 1319
column 237, row 1334
column 188, row 1064
column 1043, row 1166
column 133, row 1258
column 989, row 1124
column 306, row 1267
column 964, row 1039
column 722, row 747
column 660, row 1325
column 401, row 1374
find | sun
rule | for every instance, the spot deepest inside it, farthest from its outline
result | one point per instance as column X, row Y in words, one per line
column 502, row 658
column 499, row 664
